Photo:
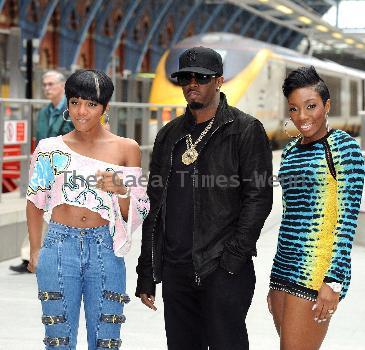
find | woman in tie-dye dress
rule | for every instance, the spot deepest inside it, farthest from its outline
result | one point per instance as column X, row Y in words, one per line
column 86, row 185
column 322, row 175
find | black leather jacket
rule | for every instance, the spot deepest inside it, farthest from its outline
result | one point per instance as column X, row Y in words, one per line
column 228, row 218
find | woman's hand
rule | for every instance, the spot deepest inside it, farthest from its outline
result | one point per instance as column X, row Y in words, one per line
column 326, row 303
column 33, row 261
column 110, row 182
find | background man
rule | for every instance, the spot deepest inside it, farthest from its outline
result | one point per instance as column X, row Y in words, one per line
column 50, row 123
column 205, row 219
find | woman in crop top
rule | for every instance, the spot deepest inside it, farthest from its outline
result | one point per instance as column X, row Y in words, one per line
column 87, row 186
column 322, row 176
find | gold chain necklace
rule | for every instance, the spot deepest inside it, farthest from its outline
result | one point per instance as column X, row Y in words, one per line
column 191, row 154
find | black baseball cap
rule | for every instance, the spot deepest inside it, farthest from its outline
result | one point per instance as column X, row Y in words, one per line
column 200, row 60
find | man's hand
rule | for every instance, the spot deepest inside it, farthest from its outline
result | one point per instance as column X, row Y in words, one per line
column 33, row 261
column 149, row 301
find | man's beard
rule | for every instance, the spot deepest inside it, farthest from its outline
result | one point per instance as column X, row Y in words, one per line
column 196, row 105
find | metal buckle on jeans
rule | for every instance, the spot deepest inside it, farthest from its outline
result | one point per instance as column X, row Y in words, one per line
column 45, row 296
column 50, row 320
column 56, row 341
column 112, row 318
column 108, row 343
column 120, row 298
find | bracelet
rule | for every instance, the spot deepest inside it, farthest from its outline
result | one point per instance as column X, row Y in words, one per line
column 125, row 195
column 335, row 286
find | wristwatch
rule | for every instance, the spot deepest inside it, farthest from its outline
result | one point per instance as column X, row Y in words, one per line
column 335, row 286
column 125, row 195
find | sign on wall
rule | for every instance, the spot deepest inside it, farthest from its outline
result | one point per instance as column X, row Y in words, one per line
column 15, row 131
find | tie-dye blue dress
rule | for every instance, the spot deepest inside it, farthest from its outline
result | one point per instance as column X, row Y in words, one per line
column 322, row 186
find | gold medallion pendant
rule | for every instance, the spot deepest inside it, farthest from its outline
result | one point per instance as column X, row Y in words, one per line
column 189, row 156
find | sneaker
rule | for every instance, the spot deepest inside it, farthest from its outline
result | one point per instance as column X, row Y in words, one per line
column 22, row 268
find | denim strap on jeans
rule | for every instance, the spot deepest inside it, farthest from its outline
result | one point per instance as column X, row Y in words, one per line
column 75, row 264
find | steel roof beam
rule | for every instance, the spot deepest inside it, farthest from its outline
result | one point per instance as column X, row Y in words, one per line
column 106, row 46
column 232, row 20
column 248, row 24
column 261, row 30
column 212, row 18
column 103, row 14
column 71, row 40
column 154, row 28
column 297, row 26
column 274, row 33
column 35, row 30
column 133, row 47
column 46, row 17
column 156, row 49
column 180, row 30
column 284, row 38
column 27, row 27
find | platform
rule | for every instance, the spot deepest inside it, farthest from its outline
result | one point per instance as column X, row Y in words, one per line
column 144, row 330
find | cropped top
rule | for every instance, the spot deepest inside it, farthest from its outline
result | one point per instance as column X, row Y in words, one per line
column 59, row 175
column 322, row 186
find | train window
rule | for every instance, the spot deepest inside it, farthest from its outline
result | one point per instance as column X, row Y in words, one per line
column 353, row 98
column 334, row 86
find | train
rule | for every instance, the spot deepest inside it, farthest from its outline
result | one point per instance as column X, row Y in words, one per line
column 253, row 75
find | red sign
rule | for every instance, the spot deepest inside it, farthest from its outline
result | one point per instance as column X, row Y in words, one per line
column 15, row 131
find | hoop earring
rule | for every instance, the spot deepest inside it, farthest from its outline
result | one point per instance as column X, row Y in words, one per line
column 286, row 132
column 63, row 116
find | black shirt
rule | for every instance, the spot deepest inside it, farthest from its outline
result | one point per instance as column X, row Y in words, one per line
column 179, row 203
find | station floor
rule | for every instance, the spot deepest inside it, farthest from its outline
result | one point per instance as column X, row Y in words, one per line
column 21, row 328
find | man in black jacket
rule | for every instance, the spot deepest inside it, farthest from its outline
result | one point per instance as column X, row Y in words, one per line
column 210, row 196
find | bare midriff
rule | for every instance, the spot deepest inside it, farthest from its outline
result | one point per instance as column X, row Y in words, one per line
column 77, row 217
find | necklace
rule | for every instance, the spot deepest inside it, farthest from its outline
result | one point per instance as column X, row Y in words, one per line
column 191, row 154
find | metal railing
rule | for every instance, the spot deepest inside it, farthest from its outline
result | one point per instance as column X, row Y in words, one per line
column 362, row 129
column 138, row 121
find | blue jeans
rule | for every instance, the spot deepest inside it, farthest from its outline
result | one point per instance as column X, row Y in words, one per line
column 74, row 263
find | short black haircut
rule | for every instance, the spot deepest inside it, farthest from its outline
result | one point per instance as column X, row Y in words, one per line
column 305, row 77
column 89, row 84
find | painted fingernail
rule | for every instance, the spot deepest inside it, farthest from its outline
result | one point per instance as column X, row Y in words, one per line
column 314, row 307
column 319, row 321
column 324, row 320
column 316, row 318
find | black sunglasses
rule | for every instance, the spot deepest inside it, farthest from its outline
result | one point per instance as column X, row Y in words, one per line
column 184, row 79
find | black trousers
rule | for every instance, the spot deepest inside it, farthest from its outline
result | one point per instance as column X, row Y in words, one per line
column 210, row 316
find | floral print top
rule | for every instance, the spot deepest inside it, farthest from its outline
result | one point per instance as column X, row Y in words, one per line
column 58, row 175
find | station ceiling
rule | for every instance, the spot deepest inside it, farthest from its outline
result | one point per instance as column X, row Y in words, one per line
column 280, row 22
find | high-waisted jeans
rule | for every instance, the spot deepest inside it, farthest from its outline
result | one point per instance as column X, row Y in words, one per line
column 75, row 263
